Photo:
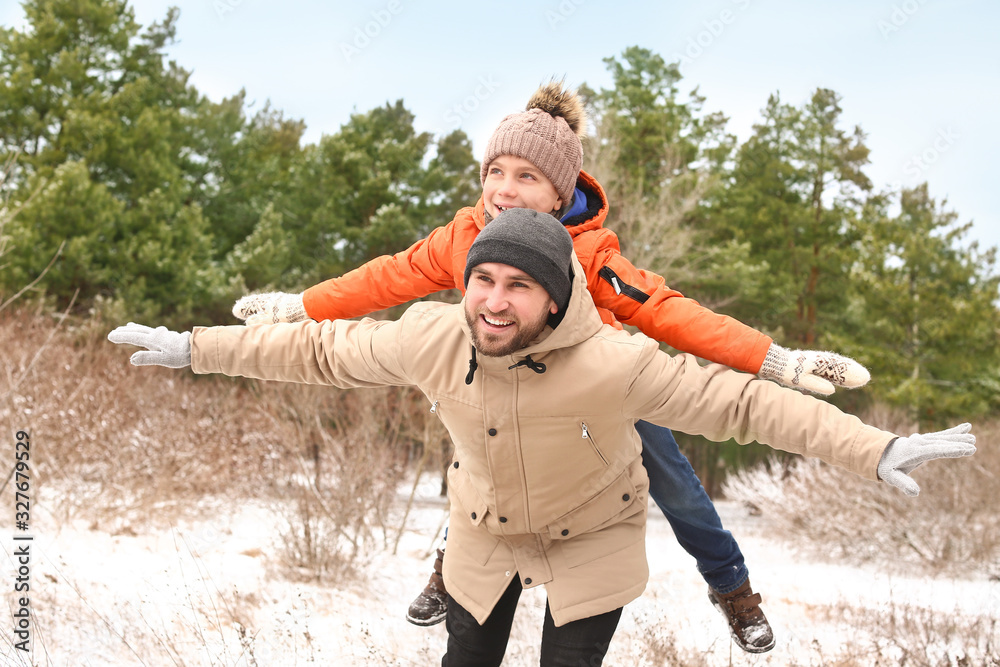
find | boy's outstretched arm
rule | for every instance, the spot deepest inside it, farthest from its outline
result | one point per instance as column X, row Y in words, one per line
column 642, row 299
column 389, row 280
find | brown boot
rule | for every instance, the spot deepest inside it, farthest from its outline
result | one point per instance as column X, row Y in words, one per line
column 431, row 606
column 747, row 624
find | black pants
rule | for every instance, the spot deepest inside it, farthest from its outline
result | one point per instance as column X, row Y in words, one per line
column 582, row 643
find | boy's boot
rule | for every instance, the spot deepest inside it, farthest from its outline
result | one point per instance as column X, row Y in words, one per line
column 431, row 606
column 747, row 624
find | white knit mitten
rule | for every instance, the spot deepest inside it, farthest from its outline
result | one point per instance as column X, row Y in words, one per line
column 270, row 308
column 903, row 455
column 163, row 346
column 812, row 370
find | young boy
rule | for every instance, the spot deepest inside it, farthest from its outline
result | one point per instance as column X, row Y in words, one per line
column 533, row 160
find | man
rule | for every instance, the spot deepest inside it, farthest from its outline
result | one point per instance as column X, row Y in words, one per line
column 534, row 160
column 540, row 398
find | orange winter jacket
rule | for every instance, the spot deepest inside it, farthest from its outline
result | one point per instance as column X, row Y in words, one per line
column 621, row 292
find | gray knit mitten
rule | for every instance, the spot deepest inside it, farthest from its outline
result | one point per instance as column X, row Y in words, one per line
column 812, row 370
column 165, row 347
column 904, row 454
column 270, row 308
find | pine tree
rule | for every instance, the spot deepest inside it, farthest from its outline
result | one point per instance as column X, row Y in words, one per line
column 928, row 312
column 794, row 195
column 106, row 128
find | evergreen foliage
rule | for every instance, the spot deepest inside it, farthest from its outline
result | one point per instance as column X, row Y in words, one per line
column 161, row 205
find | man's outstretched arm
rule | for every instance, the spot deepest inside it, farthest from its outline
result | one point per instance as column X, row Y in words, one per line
column 342, row 353
column 719, row 404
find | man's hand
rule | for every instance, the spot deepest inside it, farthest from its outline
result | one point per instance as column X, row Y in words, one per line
column 812, row 370
column 165, row 347
column 904, row 454
column 270, row 308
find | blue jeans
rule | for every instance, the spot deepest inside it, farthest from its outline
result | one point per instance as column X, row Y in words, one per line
column 678, row 493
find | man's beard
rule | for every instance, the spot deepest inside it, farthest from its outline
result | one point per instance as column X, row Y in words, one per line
column 492, row 345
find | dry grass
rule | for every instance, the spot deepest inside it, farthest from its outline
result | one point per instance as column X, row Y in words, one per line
column 952, row 527
column 135, row 447
column 912, row 636
column 139, row 445
column 131, row 449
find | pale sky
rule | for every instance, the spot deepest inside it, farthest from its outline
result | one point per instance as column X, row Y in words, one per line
column 921, row 77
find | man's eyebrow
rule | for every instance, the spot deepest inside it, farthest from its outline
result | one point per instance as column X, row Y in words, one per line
column 520, row 277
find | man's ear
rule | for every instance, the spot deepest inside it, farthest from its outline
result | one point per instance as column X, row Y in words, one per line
column 553, row 308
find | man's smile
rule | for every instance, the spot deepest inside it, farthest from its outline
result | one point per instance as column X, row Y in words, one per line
column 496, row 322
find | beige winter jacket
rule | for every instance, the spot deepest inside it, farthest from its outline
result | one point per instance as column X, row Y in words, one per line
column 547, row 482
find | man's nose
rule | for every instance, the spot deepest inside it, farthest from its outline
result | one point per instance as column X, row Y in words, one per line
column 497, row 301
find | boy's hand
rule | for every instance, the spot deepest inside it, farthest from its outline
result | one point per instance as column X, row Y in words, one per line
column 166, row 348
column 270, row 308
column 904, row 454
column 812, row 370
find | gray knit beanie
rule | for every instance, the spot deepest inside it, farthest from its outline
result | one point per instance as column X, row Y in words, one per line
column 547, row 135
column 534, row 242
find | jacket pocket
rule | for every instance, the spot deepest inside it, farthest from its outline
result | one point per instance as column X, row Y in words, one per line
column 606, row 508
column 461, row 488
column 480, row 543
column 628, row 528
column 589, row 438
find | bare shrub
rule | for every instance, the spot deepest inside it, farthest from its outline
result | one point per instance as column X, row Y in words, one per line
column 657, row 645
column 129, row 446
column 133, row 442
column 352, row 454
column 640, row 220
column 953, row 526
column 915, row 636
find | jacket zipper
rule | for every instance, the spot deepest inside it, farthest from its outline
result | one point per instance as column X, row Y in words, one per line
column 434, row 407
column 586, row 436
column 622, row 288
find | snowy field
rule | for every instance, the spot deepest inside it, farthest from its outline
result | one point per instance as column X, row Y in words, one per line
column 212, row 592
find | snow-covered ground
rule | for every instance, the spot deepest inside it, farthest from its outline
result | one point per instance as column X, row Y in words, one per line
column 212, row 592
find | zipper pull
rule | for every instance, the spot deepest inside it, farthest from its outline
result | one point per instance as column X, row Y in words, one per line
column 614, row 283
column 586, row 434
column 434, row 408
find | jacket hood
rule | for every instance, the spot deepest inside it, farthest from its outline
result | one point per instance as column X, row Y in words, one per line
column 580, row 322
column 593, row 218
